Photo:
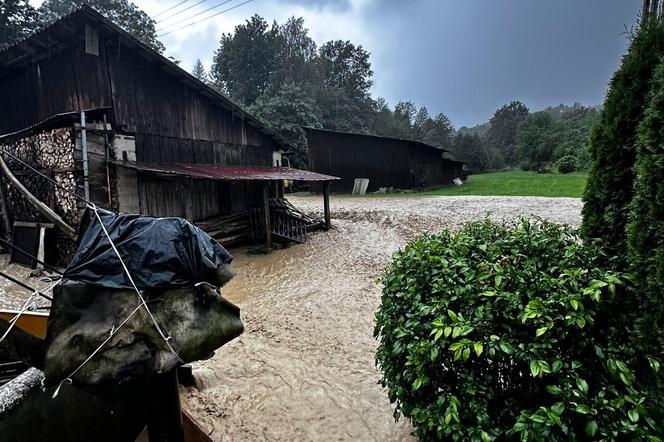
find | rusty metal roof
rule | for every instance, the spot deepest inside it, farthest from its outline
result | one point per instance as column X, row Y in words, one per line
column 227, row 173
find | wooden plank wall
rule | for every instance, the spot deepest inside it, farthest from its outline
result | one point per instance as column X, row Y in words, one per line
column 387, row 162
column 161, row 196
column 174, row 122
column 65, row 82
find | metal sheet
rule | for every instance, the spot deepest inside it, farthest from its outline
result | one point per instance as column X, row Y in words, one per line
column 227, row 173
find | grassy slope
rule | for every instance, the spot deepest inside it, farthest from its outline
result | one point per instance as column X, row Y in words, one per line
column 518, row 183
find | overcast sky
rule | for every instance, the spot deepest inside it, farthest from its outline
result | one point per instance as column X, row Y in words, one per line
column 461, row 57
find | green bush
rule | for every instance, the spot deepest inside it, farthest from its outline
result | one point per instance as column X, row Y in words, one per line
column 609, row 190
column 646, row 228
column 567, row 164
column 501, row 332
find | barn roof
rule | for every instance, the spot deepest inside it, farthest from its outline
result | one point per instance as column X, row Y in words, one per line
column 355, row 134
column 227, row 173
column 70, row 30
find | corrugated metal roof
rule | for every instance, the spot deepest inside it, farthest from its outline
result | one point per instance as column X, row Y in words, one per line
column 227, row 173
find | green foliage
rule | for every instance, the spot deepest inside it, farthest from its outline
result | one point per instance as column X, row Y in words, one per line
column 288, row 112
column 17, row 21
column 536, row 141
column 567, row 164
column 470, row 149
column 502, row 134
column 122, row 12
column 500, row 332
column 646, row 228
column 243, row 64
column 547, row 136
column 199, row 72
column 343, row 65
column 611, row 179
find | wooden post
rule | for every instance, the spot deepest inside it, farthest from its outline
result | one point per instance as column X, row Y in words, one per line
column 326, row 204
column 188, row 202
column 164, row 413
column 266, row 206
column 5, row 211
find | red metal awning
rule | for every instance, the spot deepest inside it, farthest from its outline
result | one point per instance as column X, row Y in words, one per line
column 227, row 173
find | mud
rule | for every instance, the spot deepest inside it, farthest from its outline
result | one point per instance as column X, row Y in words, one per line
column 304, row 368
column 11, row 295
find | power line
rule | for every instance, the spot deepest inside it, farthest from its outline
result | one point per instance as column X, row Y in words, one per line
column 196, row 15
column 171, row 8
column 181, row 11
column 205, row 18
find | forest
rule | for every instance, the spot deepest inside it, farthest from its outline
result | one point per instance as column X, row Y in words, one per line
column 282, row 76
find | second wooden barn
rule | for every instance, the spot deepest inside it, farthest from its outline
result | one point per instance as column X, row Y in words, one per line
column 385, row 161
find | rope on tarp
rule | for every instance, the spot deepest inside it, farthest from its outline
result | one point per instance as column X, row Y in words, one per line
column 138, row 292
column 114, row 329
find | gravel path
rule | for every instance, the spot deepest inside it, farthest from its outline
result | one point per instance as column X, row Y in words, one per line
column 304, row 368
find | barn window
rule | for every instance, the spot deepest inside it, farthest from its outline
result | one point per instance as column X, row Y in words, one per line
column 91, row 40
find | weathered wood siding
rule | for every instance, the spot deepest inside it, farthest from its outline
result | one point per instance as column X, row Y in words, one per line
column 173, row 121
column 67, row 81
column 195, row 200
column 386, row 162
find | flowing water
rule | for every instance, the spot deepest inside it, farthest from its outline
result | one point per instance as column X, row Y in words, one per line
column 304, row 368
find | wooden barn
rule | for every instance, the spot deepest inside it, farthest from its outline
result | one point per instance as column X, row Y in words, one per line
column 386, row 162
column 110, row 119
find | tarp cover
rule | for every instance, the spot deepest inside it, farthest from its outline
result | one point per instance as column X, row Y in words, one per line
column 159, row 252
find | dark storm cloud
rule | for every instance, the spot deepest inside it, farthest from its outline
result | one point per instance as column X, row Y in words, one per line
column 466, row 58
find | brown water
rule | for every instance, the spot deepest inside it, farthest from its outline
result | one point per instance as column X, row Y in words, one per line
column 11, row 295
column 304, row 368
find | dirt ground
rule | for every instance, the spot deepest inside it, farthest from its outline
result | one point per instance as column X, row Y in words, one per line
column 304, row 368
column 12, row 296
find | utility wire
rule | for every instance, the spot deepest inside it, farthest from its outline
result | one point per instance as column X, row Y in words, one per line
column 169, row 9
column 180, row 12
column 20, row 250
column 25, row 286
column 196, row 15
column 205, row 18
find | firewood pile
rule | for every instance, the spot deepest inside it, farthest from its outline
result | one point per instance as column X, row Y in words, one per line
column 227, row 229
column 51, row 153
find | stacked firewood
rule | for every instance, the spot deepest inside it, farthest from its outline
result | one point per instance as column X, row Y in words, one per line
column 51, row 153
column 227, row 229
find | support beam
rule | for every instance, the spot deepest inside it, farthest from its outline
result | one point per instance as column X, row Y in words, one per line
column 188, row 202
column 4, row 208
column 40, row 206
column 326, row 204
column 84, row 150
column 266, row 207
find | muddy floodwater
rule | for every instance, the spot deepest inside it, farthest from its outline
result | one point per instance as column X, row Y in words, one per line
column 304, row 368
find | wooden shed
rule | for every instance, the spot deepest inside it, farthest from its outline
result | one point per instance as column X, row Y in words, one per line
column 115, row 122
column 385, row 161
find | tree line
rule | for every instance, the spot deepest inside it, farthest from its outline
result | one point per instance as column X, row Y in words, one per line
column 279, row 74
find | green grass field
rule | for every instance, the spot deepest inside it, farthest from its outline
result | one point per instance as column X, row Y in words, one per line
column 518, row 183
